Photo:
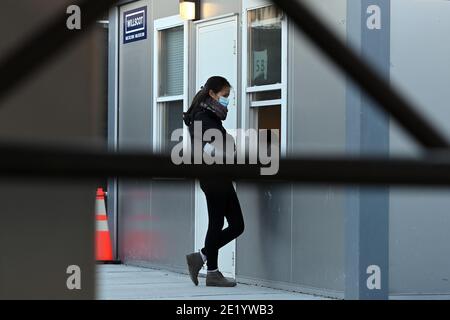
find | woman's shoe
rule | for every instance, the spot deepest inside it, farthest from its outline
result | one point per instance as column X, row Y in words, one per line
column 195, row 263
column 216, row 279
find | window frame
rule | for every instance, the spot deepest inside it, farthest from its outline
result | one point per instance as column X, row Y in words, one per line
column 159, row 103
column 248, row 107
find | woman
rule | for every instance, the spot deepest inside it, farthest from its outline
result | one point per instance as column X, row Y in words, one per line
column 209, row 107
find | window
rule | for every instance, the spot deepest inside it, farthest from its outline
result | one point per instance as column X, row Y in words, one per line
column 171, row 62
column 171, row 120
column 264, row 47
column 269, row 118
column 265, row 69
column 170, row 81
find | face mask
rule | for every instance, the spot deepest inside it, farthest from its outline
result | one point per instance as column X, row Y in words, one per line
column 224, row 101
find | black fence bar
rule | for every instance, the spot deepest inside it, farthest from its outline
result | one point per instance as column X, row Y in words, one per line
column 362, row 74
column 30, row 162
column 34, row 53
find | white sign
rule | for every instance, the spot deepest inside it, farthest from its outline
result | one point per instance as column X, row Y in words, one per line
column 260, row 64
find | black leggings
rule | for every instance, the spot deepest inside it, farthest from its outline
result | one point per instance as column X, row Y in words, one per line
column 222, row 202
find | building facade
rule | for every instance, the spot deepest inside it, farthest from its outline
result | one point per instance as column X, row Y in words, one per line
column 342, row 242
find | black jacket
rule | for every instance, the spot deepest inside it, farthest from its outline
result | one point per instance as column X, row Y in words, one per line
column 210, row 120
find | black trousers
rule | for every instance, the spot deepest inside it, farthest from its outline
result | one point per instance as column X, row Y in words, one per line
column 222, row 203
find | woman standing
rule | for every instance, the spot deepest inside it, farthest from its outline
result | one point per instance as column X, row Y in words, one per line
column 209, row 107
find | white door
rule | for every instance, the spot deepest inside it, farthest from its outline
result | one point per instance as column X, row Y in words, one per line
column 216, row 55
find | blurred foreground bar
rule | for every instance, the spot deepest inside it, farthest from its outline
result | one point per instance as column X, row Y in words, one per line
column 45, row 227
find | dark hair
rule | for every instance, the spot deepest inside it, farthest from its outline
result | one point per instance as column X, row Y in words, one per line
column 216, row 84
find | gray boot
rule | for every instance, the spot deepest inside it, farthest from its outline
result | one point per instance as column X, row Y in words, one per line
column 216, row 279
column 195, row 263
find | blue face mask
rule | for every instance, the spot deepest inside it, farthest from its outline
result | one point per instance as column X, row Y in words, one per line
column 224, row 101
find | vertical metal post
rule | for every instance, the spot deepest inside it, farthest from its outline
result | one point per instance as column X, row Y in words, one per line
column 367, row 217
column 113, row 35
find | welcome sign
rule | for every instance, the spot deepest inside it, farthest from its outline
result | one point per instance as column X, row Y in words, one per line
column 135, row 25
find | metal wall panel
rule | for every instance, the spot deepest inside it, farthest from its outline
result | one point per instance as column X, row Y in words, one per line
column 366, row 218
column 111, row 199
column 316, row 113
column 164, row 8
column 135, row 90
column 172, row 222
column 156, row 225
column 419, row 218
column 134, row 131
column 264, row 249
column 318, row 238
column 214, row 8
column 134, row 220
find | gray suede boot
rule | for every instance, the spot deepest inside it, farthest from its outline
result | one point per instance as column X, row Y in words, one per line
column 216, row 279
column 195, row 263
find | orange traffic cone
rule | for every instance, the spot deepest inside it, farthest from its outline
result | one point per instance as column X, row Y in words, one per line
column 103, row 244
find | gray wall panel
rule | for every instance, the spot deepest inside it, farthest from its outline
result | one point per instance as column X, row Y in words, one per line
column 366, row 218
column 213, row 8
column 264, row 249
column 165, row 8
column 316, row 89
column 209, row 8
column 135, row 89
column 134, row 131
column 172, row 222
column 304, row 226
column 134, row 221
column 153, row 229
column 316, row 113
column 111, row 199
column 419, row 219
column 419, row 63
column 419, row 245
column 318, row 238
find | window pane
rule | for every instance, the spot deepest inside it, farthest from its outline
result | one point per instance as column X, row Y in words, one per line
column 171, row 62
column 172, row 120
column 264, row 30
column 266, row 95
column 269, row 118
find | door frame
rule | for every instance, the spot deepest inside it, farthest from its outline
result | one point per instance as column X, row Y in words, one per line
column 233, row 17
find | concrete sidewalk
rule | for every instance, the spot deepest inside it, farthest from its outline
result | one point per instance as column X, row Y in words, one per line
column 127, row 282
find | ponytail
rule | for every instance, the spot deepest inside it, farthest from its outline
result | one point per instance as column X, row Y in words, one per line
column 188, row 116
